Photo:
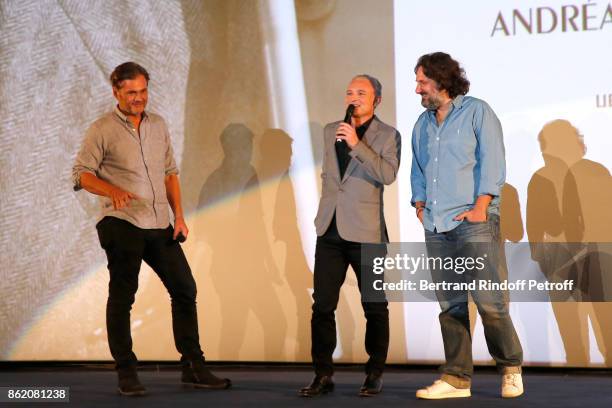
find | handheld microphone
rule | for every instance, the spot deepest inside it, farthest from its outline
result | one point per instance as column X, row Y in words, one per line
column 347, row 118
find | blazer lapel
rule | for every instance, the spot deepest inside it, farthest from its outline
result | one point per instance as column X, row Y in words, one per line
column 368, row 138
column 331, row 147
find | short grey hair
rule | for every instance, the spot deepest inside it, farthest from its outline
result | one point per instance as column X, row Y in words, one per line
column 374, row 82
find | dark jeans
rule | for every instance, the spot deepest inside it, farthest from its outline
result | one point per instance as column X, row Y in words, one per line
column 126, row 247
column 333, row 255
column 473, row 240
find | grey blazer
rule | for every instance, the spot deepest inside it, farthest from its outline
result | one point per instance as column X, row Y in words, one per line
column 357, row 199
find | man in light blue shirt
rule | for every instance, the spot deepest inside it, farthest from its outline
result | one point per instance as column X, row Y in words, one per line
column 458, row 170
column 456, row 162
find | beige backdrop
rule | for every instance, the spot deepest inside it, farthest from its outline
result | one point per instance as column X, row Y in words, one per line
column 245, row 247
column 209, row 73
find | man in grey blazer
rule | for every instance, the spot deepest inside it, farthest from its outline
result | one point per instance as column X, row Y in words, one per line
column 359, row 159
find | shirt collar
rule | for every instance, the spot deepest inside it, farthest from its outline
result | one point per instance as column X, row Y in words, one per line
column 361, row 130
column 458, row 101
column 123, row 117
column 366, row 124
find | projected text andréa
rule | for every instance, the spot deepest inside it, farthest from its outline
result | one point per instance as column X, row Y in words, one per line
column 588, row 16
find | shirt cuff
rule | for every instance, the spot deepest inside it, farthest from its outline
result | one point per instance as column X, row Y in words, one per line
column 494, row 192
column 76, row 178
column 417, row 198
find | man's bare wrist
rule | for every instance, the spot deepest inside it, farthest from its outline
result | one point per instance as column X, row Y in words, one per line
column 479, row 210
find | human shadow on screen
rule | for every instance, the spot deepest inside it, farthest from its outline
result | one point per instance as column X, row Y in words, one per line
column 511, row 230
column 243, row 271
column 276, row 150
column 568, row 225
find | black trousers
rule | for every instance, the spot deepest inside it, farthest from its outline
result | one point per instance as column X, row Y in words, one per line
column 333, row 255
column 126, row 247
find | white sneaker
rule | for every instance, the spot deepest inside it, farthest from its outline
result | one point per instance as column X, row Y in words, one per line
column 512, row 385
column 441, row 389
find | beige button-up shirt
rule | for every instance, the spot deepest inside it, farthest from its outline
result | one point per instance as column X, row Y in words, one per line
column 115, row 153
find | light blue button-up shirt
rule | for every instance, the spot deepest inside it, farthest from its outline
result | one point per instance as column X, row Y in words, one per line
column 457, row 161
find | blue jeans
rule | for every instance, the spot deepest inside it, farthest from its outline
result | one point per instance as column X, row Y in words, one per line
column 473, row 240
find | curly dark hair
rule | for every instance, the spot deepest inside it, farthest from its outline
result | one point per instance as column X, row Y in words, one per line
column 127, row 70
column 447, row 73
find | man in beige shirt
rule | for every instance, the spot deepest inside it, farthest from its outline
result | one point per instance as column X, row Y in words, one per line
column 127, row 160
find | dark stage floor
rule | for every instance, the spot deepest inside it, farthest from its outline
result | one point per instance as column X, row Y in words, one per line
column 260, row 386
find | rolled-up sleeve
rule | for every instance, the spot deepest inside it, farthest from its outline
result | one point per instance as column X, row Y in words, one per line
column 169, row 164
column 89, row 157
column 417, row 178
column 490, row 153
